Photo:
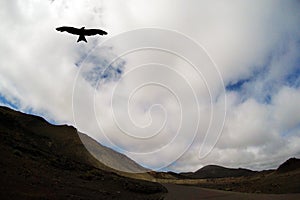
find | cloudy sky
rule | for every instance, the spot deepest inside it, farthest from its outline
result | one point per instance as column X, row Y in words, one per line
column 175, row 85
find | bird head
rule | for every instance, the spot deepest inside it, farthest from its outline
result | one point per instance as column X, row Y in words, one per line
column 82, row 28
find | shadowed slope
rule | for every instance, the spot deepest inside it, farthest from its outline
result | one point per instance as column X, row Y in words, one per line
column 289, row 165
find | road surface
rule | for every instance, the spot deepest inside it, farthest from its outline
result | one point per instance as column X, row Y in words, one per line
column 178, row 192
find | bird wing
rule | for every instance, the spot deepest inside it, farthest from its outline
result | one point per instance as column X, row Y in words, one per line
column 68, row 29
column 89, row 32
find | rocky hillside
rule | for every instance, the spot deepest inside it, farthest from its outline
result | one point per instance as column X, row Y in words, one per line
column 289, row 165
column 44, row 161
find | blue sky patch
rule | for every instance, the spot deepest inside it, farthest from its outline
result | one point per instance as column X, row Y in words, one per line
column 236, row 86
column 100, row 72
column 14, row 103
column 293, row 78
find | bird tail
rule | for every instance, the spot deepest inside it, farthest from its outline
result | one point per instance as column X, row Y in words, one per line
column 81, row 38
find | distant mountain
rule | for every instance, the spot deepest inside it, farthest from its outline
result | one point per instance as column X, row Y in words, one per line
column 289, row 165
column 44, row 161
column 214, row 171
column 286, row 179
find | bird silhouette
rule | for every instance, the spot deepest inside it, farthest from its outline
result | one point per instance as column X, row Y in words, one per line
column 82, row 32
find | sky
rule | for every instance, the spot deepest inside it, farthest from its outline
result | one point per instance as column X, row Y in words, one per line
column 175, row 85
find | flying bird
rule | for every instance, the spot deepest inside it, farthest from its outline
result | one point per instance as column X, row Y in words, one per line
column 82, row 32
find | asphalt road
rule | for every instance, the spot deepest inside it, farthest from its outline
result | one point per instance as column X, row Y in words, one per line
column 178, row 192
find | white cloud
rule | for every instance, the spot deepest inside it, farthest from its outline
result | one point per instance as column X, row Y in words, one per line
column 286, row 111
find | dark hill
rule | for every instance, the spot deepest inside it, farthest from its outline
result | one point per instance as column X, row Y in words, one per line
column 214, row 171
column 44, row 161
column 289, row 165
